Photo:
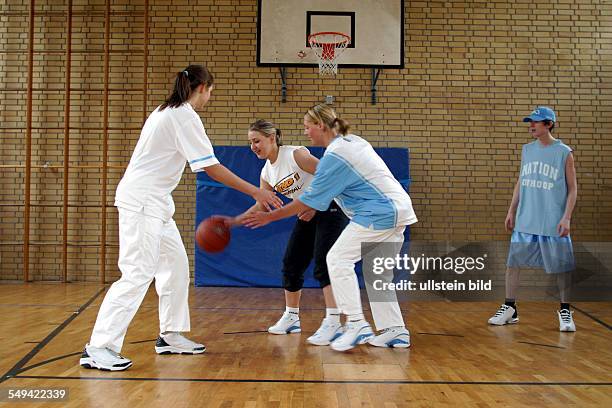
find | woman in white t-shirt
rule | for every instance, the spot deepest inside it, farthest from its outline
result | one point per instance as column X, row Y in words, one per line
column 150, row 245
column 288, row 171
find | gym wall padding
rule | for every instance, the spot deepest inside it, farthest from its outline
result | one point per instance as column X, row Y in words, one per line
column 253, row 258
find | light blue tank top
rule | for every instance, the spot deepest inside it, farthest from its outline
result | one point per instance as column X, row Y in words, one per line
column 543, row 189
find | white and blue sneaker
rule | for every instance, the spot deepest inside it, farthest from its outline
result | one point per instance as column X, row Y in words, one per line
column 328, row 332
column 355, row 333
column 504, row 315
column 176, row 343
column 288, row 323
column 566, row 321
column 395, row 337
column 103, row 359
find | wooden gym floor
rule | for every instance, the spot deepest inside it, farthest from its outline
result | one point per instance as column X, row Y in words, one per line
column 455, row 358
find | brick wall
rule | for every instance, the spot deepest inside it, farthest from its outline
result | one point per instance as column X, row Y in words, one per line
column 473, row 69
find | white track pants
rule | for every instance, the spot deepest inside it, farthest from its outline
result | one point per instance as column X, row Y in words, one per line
column 341, row 260
column 148, row 248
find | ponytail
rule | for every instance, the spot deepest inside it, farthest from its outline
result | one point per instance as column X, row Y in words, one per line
column 185, row 82
column 278, row 137
column 326, row 115
column 342, row 126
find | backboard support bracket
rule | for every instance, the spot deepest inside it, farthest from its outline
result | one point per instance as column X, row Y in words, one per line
column 283, row 73
column 375, row 74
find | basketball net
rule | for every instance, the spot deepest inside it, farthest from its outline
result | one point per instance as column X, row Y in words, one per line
column 328, row 46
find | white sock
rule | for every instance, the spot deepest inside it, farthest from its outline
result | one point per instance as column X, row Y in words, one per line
column 295, row 311
column 332, row 315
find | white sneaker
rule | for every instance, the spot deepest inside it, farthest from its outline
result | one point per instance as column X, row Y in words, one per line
column 176, row 343
column 355, row 333
column 288, row 323
column 504, row 316
column 328, row 332
column 566, row 321
column 103, row 359
column 398, row 337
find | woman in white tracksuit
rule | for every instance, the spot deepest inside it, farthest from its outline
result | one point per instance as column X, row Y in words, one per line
column 379, row 209
column 150, row 245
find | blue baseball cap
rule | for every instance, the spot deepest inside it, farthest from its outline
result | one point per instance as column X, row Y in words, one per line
column 541, row 113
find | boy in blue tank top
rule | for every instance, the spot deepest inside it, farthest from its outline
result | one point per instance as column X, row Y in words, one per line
column 539, row 217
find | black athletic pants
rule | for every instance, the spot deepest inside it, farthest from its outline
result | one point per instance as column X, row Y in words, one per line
column 312, row 240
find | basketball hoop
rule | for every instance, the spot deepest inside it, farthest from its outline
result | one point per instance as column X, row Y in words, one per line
column 328, row 46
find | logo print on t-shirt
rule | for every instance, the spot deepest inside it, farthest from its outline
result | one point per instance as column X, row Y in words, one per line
column 539, row 168
column 288, row 184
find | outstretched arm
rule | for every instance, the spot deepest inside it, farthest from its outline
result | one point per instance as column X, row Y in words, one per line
column 254, row 208
column 260, row 218
column 222, row 174
column 332, row 177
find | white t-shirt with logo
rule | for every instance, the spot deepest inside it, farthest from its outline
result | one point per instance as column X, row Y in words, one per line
column 168, row 139
column 284, row 175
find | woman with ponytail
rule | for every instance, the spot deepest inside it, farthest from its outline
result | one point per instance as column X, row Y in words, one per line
column 354, row 175
column 150, row 245
column 289, row 171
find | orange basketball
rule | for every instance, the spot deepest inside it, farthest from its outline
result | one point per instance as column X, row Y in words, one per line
column 212, row 235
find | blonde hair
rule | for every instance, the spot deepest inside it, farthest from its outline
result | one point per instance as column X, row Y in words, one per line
column 326, row 115
column 267, row 129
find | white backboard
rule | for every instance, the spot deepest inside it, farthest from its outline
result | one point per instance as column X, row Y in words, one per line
column 376, row 28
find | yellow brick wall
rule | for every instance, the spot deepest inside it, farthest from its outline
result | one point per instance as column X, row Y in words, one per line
column 473, row 69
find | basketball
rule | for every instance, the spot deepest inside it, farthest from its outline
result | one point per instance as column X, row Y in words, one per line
column 212, row 235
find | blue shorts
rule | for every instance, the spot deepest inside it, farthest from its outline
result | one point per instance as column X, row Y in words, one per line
column 554, row 254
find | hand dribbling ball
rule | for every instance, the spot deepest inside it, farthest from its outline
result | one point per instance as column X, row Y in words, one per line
column 212, row 235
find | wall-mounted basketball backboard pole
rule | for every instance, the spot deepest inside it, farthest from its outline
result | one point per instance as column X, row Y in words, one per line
column 331, row 35
column 283, row 74
column 375, row 74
